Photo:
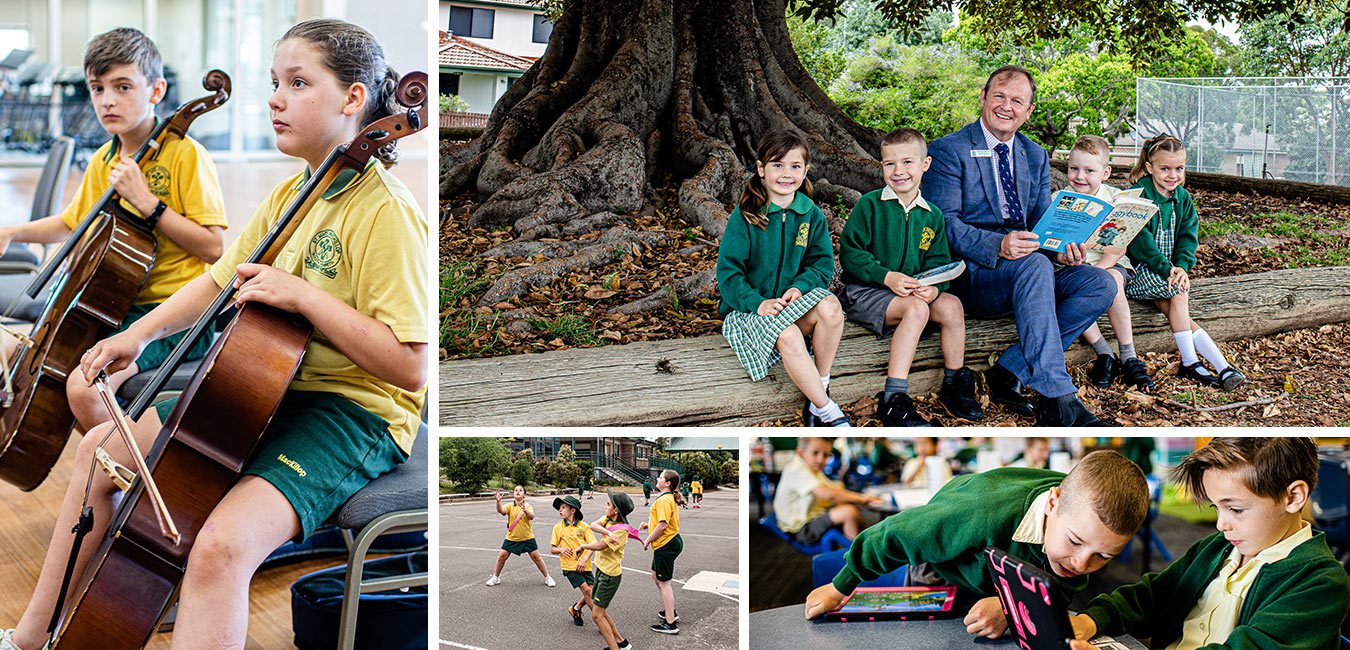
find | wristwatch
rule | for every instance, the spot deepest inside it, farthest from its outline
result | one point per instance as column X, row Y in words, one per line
column 155, row 214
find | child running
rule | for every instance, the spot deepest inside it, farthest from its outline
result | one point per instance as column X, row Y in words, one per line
column 519, row 535
column 1165, row 253
column 665, row 542
column 775, row 262
column 608, row 569
column 569, row 537
column 1089, row 166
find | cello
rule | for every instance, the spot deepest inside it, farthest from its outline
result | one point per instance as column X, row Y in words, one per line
column 200, row 453
column 116, row 249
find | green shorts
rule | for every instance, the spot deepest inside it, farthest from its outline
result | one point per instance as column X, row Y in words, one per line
column 578, row 578
column 319, row 450
column 157, row 352
column 520, row 548
column 663, row 559
column 605, row 587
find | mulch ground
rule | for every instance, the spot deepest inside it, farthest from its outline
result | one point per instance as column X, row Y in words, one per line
column 1312, row 363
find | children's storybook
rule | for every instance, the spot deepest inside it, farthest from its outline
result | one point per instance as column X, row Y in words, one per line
column 1093, row 223
column 941, row 274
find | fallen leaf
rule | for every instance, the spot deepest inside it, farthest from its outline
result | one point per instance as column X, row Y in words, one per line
column 597, row 293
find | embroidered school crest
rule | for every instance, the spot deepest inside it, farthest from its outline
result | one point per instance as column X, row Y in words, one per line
column 926, row 239
column 157, row 178
column 324, row 253
column 803, row 233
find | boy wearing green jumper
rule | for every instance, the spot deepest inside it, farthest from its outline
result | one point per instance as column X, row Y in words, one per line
column 892, row 235
column 608, row 569
column 569, row 536
column 1069, row 525
column 1265, row 580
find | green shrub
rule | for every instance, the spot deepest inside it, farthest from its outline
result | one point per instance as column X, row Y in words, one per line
column 470, row 463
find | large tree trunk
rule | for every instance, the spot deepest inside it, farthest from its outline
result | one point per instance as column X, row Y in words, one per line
column 630, row 87
column 698, row 380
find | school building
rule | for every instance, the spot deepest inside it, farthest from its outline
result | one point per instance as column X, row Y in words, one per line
column 618, row 458
column 485, row 45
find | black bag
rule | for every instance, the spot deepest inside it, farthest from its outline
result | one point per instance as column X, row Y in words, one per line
column 386, row 620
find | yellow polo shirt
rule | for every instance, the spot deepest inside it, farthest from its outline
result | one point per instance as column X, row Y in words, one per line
column 664, row 510
column 1216, row 613
column 523, row 530
column 572, row 536
column 365, row 243
column 793, row 500
column 182, row 175
column 609, row 559
column 697, row 487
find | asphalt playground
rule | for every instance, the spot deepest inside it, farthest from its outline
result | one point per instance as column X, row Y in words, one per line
column 522, row 613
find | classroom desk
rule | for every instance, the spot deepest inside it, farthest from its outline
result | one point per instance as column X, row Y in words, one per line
column 784, row 627
column 897, row 497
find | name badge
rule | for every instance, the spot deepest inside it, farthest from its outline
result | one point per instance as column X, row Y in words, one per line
column 981, row 153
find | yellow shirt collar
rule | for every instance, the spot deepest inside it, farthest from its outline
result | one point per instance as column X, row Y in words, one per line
column 1032, row 528
column 888, row 194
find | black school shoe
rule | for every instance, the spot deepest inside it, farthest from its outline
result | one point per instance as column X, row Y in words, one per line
column 1134, row 374
column 898, row 411
column 576, row 615
column 666, row 628
column 958, row 396
column 1104, row 370
column 1231, row 378
column 1065, row 411
column 1006, row 389
column 1198, row 373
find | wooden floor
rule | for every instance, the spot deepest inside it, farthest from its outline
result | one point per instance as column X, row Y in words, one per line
column 26, row 521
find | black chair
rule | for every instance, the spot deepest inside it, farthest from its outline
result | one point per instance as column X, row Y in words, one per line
column 19, row 258
column 1331, row 501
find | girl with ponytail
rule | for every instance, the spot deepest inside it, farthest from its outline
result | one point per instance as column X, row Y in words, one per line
column 775, row 262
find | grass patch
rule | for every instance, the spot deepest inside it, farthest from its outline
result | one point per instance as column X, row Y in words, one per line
column 463, row 331
column 462, row 278
column 572, row 329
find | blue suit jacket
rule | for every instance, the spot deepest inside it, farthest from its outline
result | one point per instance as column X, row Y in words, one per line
column 963, row 187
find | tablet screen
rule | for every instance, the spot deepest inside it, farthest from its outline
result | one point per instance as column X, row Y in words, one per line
column 898, row 600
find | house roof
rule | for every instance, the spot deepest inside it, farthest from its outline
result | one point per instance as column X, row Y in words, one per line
column 460, row 52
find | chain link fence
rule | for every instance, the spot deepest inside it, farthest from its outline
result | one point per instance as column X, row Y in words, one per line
column 1289, row 128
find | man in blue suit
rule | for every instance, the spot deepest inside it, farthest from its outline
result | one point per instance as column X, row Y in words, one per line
column 993, row 184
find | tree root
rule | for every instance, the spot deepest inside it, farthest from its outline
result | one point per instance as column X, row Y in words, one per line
column 610, row 247
column 692, row 287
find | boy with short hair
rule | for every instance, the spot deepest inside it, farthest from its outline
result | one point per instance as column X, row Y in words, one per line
column 175, row 189
column 1266, row 579
column 1090, row 165
column 1070, row 525
column 1035, row 454
column 892, row 235
column 807, row 504
column 568, row 539
column 614, row 530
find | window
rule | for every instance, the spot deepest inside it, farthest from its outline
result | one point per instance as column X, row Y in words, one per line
column 449, row 84
column 542, row 28
column 471, row 22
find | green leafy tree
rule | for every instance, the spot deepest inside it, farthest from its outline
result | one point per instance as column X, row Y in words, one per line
column 701, row 465
column 731, row 472
column 565, row 455
column 932, row 88
column 522, row 472
column 822, row 62
column 453, row 103
column 526, row 455
column 543, row 471
column 565, row 475
column 469, row 463
column 1082, row 95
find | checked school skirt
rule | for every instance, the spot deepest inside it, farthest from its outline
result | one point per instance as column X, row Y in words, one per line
column 1147, row 285
column 754, row 338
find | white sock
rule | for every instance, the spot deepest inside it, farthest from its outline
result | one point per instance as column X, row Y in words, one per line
column 1186, row 346
column 827, row 413
column 1209, row 350
column 825, row 381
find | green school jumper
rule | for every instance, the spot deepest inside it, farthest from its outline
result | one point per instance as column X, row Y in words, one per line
column 881, row 237
column 950, row 533
column 1295, row 603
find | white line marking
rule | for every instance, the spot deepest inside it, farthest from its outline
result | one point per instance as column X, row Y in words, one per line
column 460, row 645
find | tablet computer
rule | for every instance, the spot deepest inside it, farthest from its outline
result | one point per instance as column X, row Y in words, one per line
column 895, row 603
column 1037, row 614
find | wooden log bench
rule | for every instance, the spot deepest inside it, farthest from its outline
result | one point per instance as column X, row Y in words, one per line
column 697, row 381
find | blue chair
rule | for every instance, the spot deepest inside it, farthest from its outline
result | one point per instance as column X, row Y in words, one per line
column 825, row 566
column 1146, row 533
column 827, row 543
column 1331, row 501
